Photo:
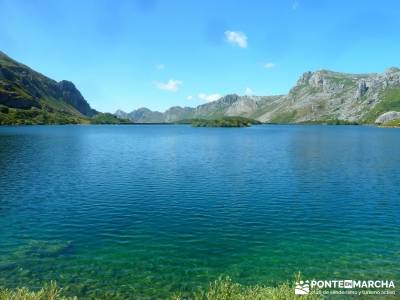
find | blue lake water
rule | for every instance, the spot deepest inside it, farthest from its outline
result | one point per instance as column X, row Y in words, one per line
column 146, row 210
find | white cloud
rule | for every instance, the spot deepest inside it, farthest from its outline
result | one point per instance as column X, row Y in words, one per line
column 160, row 67
column 269, row 65
column 248, row 92
column 209, row 98
column 236, row 37
column 171, row 85
column 189, row 97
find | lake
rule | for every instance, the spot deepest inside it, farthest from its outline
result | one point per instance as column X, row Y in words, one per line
column 148, row 210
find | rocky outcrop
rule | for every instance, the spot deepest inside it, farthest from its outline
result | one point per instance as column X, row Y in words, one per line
column 305, row 78
column 177, row 113
column 388, row 116
column 121, row 114
column 71, row 95
column 362, row 89
column 141, row 115
column 243, row 105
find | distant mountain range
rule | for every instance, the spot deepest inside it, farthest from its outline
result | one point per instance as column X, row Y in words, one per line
column 28, row 97
column 321, row 96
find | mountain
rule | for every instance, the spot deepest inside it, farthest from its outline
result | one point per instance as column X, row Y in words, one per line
column 27, row 96
column 321, row 96
column 142, row 115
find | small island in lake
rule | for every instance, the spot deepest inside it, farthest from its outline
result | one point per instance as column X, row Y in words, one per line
column 222, row 122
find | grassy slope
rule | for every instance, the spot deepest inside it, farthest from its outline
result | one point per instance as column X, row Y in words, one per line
column 13, row 116
column 34, row 116
column 107, row 118
column 284, row 117
column 13, row 79
column 390, row 101
column 20, row 84
column 393, row 123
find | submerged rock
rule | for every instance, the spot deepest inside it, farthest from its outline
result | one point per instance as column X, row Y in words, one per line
column 5, row 266
column 46, row 248
column 388, row 116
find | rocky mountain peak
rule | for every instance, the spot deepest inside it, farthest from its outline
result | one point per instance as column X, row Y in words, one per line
column 392, row 70
column 229, row 99
column 322, row 81
column 304, row 78
column 67, row 86
column 72, row 96
column 121, row 114
column 317, row 79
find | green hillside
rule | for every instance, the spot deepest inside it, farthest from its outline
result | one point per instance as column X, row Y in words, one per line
column 224, row 122
column 28, row 97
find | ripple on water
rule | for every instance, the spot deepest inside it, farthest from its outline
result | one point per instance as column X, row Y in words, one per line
column 116, row 211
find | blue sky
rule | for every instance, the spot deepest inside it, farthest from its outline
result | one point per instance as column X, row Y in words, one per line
column 157, row 54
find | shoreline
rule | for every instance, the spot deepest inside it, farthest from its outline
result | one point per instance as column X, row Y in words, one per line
column 180, row 124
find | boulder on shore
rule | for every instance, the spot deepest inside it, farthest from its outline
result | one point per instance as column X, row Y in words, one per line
column 388, row 116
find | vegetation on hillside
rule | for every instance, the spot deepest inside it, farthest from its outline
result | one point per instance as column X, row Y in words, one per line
column 330, row 122
column 390, row 102
column 107, row 118
column 32, row 98
column 224, row 122
column 284, row 117
column 289, row 118
column 392, row 123
column 36, row 116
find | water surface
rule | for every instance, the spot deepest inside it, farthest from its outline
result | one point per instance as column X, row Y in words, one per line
column 146, row 211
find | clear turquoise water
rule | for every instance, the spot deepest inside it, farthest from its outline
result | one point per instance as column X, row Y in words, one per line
column 145, row 211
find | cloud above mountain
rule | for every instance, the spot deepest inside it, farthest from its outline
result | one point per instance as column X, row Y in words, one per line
column 248, row 92
column 171, row 85
column 269, row 65
column 210, row 97
column 237, row 38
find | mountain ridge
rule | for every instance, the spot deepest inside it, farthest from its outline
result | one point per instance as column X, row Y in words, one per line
column 317, row 96
column 29, row 97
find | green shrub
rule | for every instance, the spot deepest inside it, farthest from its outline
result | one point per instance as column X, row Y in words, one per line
column 4, row 109
column 392, row 123
column 284, row 117
column 226, row 289
column 107, row 118
column 48, row 292
column 221, row 289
